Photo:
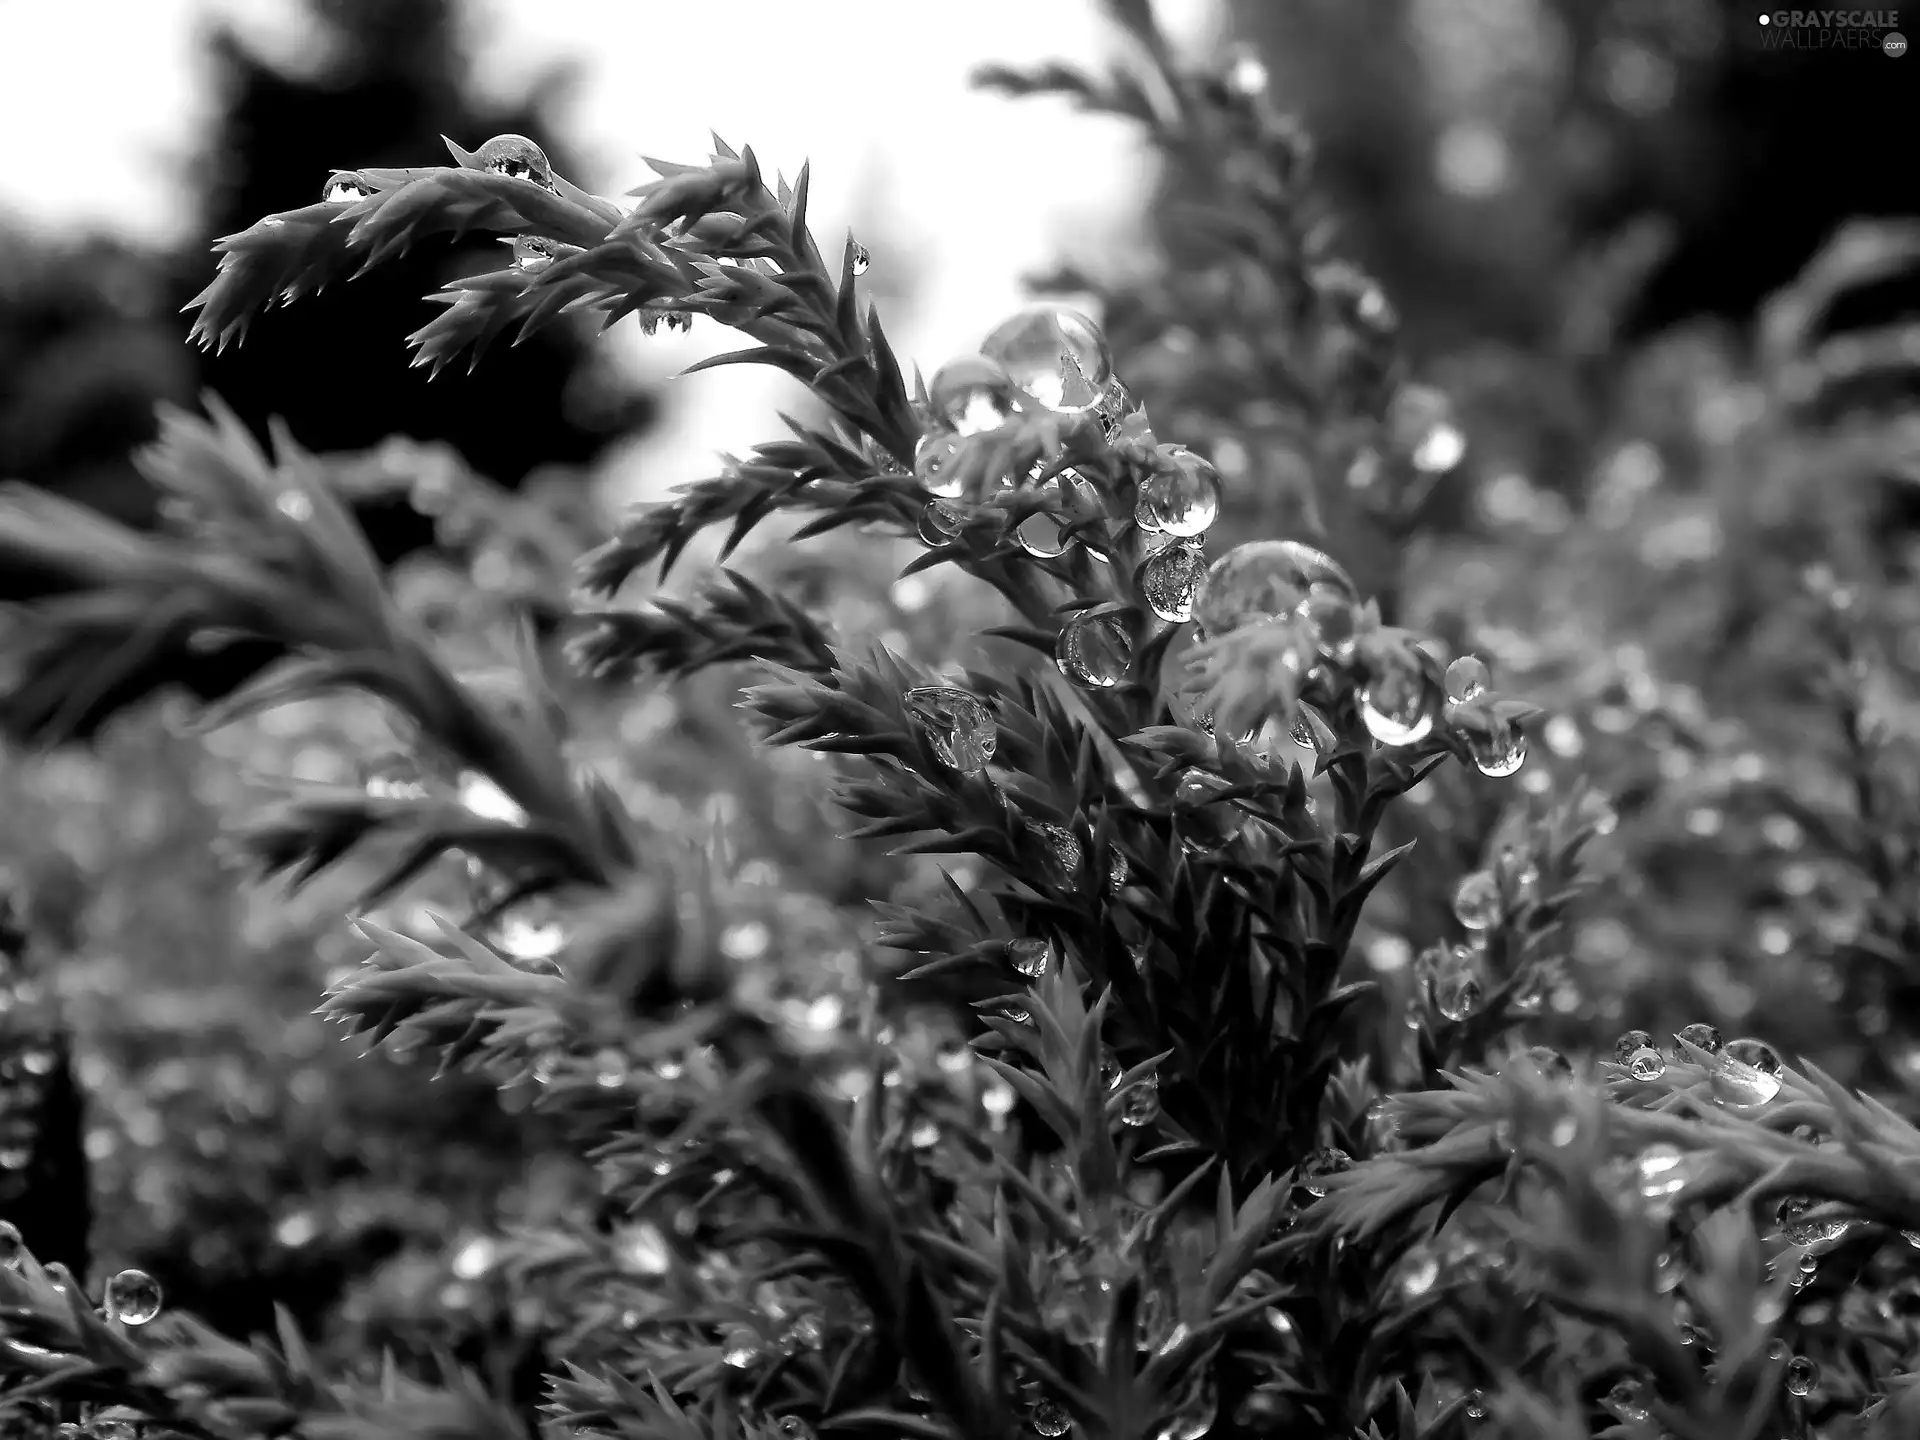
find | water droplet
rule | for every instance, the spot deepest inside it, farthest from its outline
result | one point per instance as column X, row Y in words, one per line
column 641, row 1249
column 1701, row 1036
column 1170, row 580
column 1094, row 651
column 862, row 261
column 1457, row 993
column 1182, row 495
column 12, row 1247
column 1659, row 1171
column 1032, row 958
column 610, row 1071
column 1627, row 1401
column 1043, row 534
column 959, row 727
column 792, row 1427
column 1756, row 1053
column 1476, row 900
column 1646, row 1064
column 1394, row 707
column 1264, row 579
column 939, row 524
column 931, row 467
column 1625, row 1047
column 1802, row 1375
column 517, row 157
column 1740, row 1086
column 1141, row 1106
column 1499, row 753
column 1335, row 627
column 971, row 394
column 1049, row 1419
column 742, row 1348
column 1476, row 1406
column 1320, row 1164
column 1204, row 821
column 1467, row 679
column 532, row 253
column 344, row 189
column 1055, row 354
column 132, row 1297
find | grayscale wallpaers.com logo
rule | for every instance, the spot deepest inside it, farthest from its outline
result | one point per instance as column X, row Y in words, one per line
column 1833, row 30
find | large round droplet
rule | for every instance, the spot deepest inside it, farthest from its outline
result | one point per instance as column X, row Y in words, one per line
column 1032, row 958
column 932, row 467
column 1049, row 1419
column 1456, row 991
column 1757, row 1053
column 1042, row 534
column 532, row 253
column 1182, row 495
column 1336, row 631
column 518, row 157
column 1264, row 579
column 959, row 727
column 1205, row 821
column 1094, row 650
column 344, row 189
column 1319, row 1165
column 132, row 1297
column 1740, row 1086
column 939, row 524
column 1141, row 1105
column 1700, row 1035
column 1476, row 900
column 1801, row 1375
column 971, row 394
column 1498, row 753
column 1170, row 580
column 1467, row 679
column 1394, row 705
column 1055, row 354
column 1627, row 1044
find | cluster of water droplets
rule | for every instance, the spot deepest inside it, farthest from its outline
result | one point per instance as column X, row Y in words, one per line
column 1742, row 1074
column 1497, row 747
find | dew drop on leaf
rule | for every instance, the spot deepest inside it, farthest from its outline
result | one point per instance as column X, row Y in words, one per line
column 1182, row 495
column 532, row 253
column 1170, row 581
column 1204, row 821
column 1628, row 1044
column 1467, row 679
column 1499, row 753
column 1756, row 1053
column 970, row 394
column 1740, row 1086
column 1054, row 354
column 939, row 524
column 861, row 260
column 1320, row 1164
column 1802, row 1375
column 344, row 189
column 1049, row 1419
column 1646, row 1064
column 1394, row 707
column 1141, row 1105
column 1094, row 651
column 932, row 469
column 1032, row 958
column 1457, row 993
column 518, row 157
column 1476, row 900
column 132, row 1297
column 1042, row 534
column 1699, row 1035
column 958, row 726
column 1264, row 579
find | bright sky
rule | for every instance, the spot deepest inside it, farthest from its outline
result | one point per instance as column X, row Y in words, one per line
column 979, row 190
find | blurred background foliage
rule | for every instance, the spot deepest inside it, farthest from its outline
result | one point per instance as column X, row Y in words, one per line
column 1617, row 234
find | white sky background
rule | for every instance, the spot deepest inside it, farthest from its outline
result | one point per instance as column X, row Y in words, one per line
column 977, row 189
